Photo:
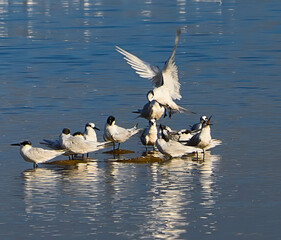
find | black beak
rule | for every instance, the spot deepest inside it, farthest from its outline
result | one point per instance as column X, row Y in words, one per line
column 15, row 144
column 97, row 128
column 208, row 122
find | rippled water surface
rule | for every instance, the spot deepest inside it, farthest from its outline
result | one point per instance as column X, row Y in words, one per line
column 59, row 68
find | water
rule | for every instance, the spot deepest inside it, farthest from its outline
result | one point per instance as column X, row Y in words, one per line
column 59, row 68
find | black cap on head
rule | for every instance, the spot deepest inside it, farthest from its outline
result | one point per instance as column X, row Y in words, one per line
column 25, row 143
column 66, row 131
column 110, row 120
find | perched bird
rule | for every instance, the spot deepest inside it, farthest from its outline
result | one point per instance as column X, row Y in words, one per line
column 64, row 136
column 167, row 86
column 179, row 136
column 116, row 134
column 149, row 135
column 77, row 144
column 203, row 139
column 57, row 144
column 36, row 155
column 90, row 133
column 152, row 109
column 172, row 148
column 198, row 126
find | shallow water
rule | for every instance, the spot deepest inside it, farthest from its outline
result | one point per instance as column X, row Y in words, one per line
column 59, row 68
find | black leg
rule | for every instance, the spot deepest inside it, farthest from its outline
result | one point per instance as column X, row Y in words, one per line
column 170, row 113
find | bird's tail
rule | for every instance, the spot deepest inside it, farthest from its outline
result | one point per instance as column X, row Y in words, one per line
column 137, row 111
column 134, row 130
column 185, row 110
column 214, row 143
column 102, row 145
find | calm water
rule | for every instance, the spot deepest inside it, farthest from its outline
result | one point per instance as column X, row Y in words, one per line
column 59, row 68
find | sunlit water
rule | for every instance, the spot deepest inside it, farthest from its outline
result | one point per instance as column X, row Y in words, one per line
column 59, row 68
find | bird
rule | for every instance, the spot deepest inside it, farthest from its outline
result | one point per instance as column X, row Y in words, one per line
column 57, row 143
column 149, row 134
column 172, row 148
column 152, row 109
column 90, row 133
column 203, row 139
column 115, row 134
column 36, row 155
column 177, row 135
column 77, row 144
column 166, row 81
column 198, row 126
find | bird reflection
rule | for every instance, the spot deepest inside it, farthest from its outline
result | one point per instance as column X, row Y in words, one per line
column 40, row 187
column 168, row 218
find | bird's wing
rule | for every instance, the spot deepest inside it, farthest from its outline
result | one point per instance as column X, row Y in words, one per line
column 194, row 141
column 44, row 155
column 170, row 72
column 53, row 144
column 144, row 69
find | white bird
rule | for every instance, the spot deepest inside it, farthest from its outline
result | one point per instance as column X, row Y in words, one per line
column 77, row 144
column 172, row 148
column 57, row 144
column 90, row 133
column 152, row 109
column 167, row 86
column 177, row 135
column 36, row 155
column 203, row 139
column 115, row 134
column 149, row 134
column 198, row 126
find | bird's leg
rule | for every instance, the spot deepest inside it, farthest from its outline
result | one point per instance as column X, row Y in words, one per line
column 118, row 146
column 87, row 155
column 113, row 146
column 35, row 165
column 165, row 113
column 83, row 156
column 170, row 112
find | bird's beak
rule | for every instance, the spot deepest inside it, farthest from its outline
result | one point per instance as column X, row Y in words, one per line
column 208, row 122
column 15, row 144
column 97, row 128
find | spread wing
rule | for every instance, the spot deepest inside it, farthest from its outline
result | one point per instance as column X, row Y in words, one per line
column 170, row 72
column 144, row 69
